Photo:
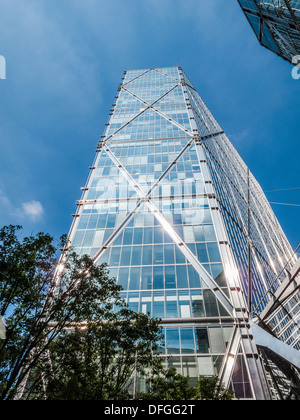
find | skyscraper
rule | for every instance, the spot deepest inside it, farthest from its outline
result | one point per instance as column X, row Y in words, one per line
column 276, row 23
column 185, row 229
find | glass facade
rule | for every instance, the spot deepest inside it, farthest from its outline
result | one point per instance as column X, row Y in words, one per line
column 171, row 207
column 276, row 23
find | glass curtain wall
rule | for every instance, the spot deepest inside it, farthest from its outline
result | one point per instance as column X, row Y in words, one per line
column 276, row 23
column 166, row 207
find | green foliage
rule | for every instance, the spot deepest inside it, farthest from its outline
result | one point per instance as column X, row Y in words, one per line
column 168, row 385
column 97, row 363
column 26, row 269
column 211, row 389
column 69, row 339
column 69, row 335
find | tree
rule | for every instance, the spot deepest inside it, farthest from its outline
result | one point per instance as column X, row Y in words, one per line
column 168, row 385
column 69, row 334
column 212, row 389
column 100, row 361
column 26, row 269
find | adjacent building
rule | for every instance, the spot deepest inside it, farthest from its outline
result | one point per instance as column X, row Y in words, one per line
column 186, row 230
column 276, row 23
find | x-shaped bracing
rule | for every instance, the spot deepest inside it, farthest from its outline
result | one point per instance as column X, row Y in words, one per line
column 145, row 198
column 147, row 107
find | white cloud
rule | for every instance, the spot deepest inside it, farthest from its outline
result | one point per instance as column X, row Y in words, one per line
column 241, row 137
column 33, row 209
column 4, row 201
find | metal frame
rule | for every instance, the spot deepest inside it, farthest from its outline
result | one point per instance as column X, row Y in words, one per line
column 272, row 23
column 236, row 303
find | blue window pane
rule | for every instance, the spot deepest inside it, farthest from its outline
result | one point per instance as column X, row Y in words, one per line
column 88, row 238
column 128, row 233
column 134, row 282
column 158, row 235
column 209, row 233
column 125, row 257
column 107, row 234
column 158, row 309
column 138, row 236
column 194, row 277
column 206, row 216
column 192, row 248
column 172, row 340
column 83, row 222
column 131, row 223
column 158, row 278
column 187, row 340
column 202, row 253
column 102, row 221
column 93, row 221
column 171, row 309
column 147, row 255
column 134, row 306
column 170, row 277
column 115, row 256
column 167, row 238
column 113, row 273
column 146, row 308
column 104, row 258
column 202, row 343
column 123, row 278
column 78, row 238
column 169, row 254
column 148, row 236
column 147, row 278
column 180, row 258
column 149, row 220
column 210, row 302
column 182, row 281
column 119, row 240
column 197, row 304
column 158, row 254
column 136, row 255
column 214, row 253
column 219, row 274
column 111, row 220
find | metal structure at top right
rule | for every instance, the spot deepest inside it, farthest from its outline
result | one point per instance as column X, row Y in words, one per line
column 276, row 24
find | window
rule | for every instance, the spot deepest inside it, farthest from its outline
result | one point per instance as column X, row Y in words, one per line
column 187, row 340
column 172, row 340
column 202, row 344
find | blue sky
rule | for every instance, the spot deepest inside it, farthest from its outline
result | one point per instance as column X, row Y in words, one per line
column 65, row 60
